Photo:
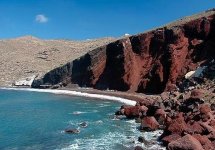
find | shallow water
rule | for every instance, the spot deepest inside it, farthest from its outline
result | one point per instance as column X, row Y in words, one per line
column 34, row 120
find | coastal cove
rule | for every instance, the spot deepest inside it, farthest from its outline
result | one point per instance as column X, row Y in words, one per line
column 107, row 75
column 36, row 119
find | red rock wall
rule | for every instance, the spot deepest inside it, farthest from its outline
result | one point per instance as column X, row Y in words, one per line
column 155, row 61
column 148, row 63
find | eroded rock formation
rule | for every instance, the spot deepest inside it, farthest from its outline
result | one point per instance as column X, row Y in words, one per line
column 150, row 62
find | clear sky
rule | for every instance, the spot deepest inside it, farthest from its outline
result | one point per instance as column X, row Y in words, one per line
column 86, row 19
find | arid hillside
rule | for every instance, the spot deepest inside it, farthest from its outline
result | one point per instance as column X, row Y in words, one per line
column 26, row 56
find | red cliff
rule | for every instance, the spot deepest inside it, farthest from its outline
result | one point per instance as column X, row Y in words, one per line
column 150, row 62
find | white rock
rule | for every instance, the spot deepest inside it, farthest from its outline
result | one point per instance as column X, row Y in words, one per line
column 197, row 73
column 25, row 82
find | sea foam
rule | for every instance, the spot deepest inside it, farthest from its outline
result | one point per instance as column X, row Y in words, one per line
column 76, row 93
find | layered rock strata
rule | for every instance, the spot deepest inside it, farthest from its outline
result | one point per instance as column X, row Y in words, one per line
column 159, row 58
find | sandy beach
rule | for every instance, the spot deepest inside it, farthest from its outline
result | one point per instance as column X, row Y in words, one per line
column 77, row 92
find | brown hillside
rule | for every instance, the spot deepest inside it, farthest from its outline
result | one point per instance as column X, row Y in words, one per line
column 26, row 56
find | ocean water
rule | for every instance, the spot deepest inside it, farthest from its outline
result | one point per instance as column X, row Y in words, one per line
column 34, row 120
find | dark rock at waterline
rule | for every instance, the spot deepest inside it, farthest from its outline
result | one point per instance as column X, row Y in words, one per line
column 83, row 124
column 160, row 116
column 149, row 123
column 72, row 131
column 132, row 112
column 138, row 148
column 118, row 113
column 143, row 140
column 138, row 120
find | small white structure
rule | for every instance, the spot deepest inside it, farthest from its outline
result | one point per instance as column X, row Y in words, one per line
column 197, row 73
column 126, row 34
column 25, row 82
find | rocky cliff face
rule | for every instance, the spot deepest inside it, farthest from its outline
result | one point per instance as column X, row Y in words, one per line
column 150, row 62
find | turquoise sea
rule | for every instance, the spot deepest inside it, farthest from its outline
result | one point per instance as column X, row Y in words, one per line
column 34, row 121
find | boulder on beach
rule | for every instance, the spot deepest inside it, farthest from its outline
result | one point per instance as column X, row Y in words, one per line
column 132, row 112
column 195, row 128
column 149, row 123
column 167, row 139
column 206, row 143
column 177, row 125
column 187, row 142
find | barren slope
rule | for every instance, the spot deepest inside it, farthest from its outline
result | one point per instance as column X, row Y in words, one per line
column 27, row 56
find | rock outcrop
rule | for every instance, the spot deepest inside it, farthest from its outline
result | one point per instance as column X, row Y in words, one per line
column 150, row 62
column 186, row 123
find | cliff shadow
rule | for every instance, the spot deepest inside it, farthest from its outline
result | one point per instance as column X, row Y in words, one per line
column 112, row 76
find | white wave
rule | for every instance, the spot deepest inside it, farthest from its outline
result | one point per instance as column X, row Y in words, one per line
column 115, row 118
column 95, row 111
column 68, row 92
column 83, row 112
column 62, row 132
column 118, row 139
column 102, row 105
column 109, row 141
column 71, row 147
column 99, row 122
column 131, row 121
column 73, row 123
column 77, row 112
column 152, row 135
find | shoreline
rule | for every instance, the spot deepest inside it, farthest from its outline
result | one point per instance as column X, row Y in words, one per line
column 121, row 97
column 78, row 92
